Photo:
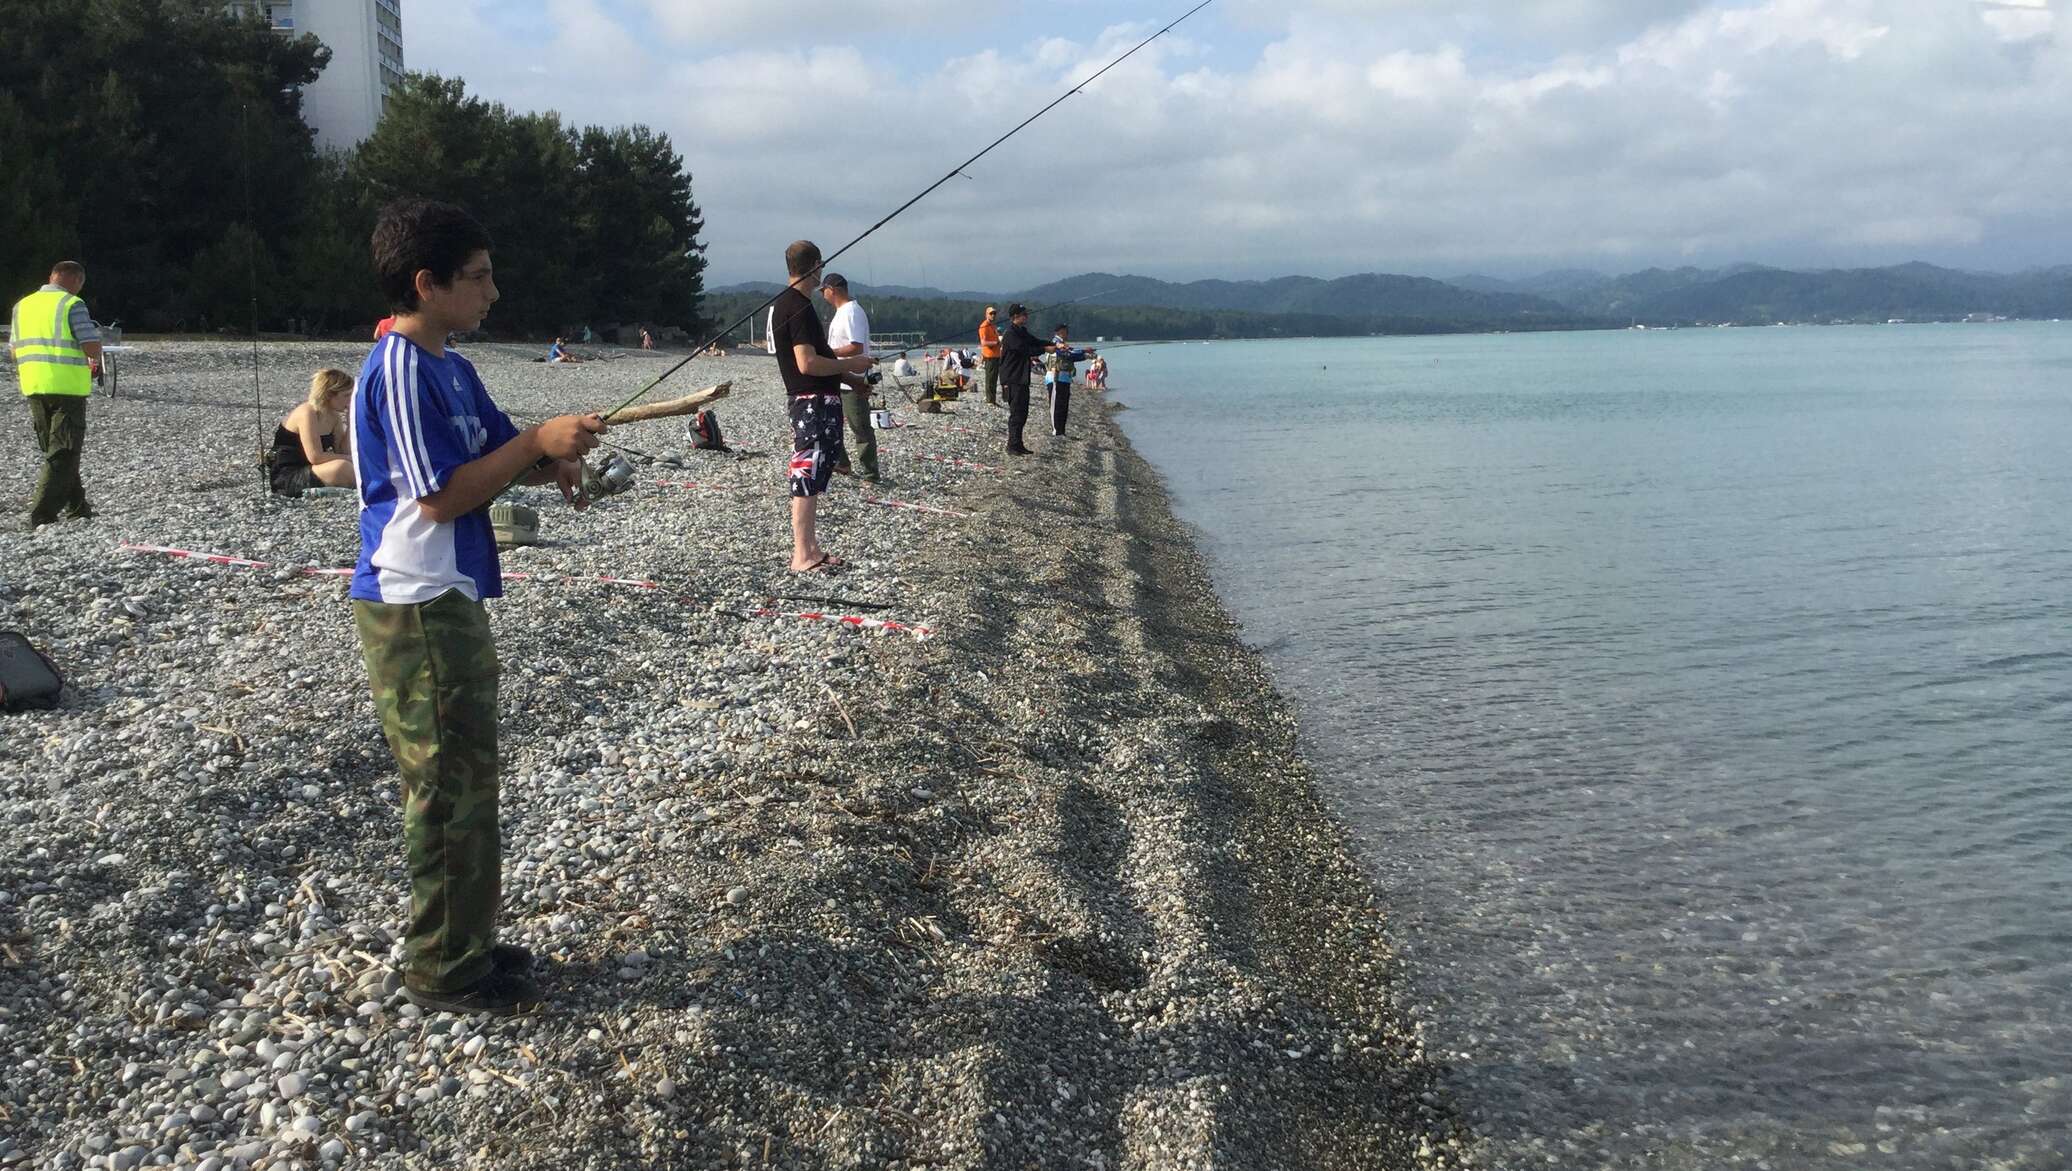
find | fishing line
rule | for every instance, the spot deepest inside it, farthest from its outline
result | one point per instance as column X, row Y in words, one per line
column 636, row 451
column 901, row 209
column 244, row 133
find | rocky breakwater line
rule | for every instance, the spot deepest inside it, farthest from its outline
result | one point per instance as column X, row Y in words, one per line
column 1050, row 888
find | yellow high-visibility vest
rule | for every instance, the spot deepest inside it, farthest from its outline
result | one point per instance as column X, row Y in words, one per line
column 45, row 351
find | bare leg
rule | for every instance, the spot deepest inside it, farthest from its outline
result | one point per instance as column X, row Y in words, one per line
column 805, row 542
column 336, row 473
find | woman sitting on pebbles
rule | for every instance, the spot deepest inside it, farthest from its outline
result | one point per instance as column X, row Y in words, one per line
column 311, row 447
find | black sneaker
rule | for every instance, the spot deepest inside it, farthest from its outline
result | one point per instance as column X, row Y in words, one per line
column 498, row 994
column 1018, row 450
column 510, row 958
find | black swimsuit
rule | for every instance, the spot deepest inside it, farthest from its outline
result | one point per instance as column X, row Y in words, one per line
column 291, row 471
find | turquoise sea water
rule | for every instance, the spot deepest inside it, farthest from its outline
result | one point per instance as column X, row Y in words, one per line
column 1702, row 701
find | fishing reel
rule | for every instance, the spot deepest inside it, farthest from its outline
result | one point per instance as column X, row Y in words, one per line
column 609, row 478
column 874, row 376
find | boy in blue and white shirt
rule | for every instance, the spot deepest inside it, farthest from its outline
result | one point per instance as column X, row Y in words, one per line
column 432, row 450
column 415, row 414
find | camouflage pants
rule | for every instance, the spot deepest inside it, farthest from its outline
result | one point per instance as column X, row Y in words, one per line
column 433, row 670
column 60, row 422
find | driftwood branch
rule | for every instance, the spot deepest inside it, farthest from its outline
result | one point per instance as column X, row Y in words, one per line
column 687, row 405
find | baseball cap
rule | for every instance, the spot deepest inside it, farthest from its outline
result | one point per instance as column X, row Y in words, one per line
column 1017, row 309
column 834, row 280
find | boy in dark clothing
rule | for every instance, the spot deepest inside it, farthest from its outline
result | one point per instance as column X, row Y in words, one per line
column 1057, row 376
column 1018, row 351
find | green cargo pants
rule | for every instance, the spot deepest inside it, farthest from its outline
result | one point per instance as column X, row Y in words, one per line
column 433, row 670
column 863, row 454
column 992, row 379
column 60, row 421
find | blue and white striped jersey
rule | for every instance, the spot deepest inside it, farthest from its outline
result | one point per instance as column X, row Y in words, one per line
column 415, row 419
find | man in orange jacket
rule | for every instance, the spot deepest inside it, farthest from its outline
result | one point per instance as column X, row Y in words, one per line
column 989, row 349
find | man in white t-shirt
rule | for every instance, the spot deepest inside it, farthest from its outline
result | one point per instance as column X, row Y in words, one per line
column 849, row 336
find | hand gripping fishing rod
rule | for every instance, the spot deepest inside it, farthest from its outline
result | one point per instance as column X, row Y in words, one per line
column 898, row 211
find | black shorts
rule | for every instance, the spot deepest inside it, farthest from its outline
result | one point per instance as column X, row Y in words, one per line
column 817, row 452
column 294, row 481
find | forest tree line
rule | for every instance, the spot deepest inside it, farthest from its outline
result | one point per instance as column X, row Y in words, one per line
column 162, row 144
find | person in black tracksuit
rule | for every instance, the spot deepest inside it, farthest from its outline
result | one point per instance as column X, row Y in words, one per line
column 1019, row 350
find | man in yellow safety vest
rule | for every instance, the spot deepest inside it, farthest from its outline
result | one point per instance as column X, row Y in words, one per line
column 57, row 350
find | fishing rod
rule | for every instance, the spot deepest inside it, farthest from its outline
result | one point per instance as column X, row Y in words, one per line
column 901, row 209
column 1161, row 341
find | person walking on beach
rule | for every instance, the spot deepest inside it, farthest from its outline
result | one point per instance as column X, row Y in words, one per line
column 1018, row 351
column 813, row 396
column 1057, row 376
column 989, row 351
column 432, row 450
column 849, row 335
column 57, row 351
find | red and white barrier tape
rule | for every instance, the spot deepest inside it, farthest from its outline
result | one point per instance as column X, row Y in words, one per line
column 852, row 621
column 955, row 461
column 235, row 562
column 553, row 577
column 914, row 507
column 849, row 620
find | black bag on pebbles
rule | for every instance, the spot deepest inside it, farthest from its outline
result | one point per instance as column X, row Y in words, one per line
column 27, row 678
column 705, row 435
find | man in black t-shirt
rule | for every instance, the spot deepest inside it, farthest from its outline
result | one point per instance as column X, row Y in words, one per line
column 813, row 393
column 1019, row 350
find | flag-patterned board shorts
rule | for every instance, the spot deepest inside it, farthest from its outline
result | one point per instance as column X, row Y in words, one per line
column 817, row 451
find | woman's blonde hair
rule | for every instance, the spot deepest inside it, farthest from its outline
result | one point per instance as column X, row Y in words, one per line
column 325, row 383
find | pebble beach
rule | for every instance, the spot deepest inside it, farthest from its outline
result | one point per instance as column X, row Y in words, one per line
column 996, row 849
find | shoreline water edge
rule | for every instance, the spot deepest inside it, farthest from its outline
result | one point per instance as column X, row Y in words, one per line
column 1052, row 886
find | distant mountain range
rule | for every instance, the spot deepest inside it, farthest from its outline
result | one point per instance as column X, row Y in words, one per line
column 1563, row 299
column 1753, row 294
column 858, row 288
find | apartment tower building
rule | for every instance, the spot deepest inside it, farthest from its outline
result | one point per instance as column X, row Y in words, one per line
column 366, row 42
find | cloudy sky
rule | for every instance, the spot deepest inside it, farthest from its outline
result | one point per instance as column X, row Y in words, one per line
column 1324, row 137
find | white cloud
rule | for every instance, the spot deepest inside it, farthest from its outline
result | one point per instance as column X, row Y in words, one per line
column 777, row 22
column 1403, row 134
